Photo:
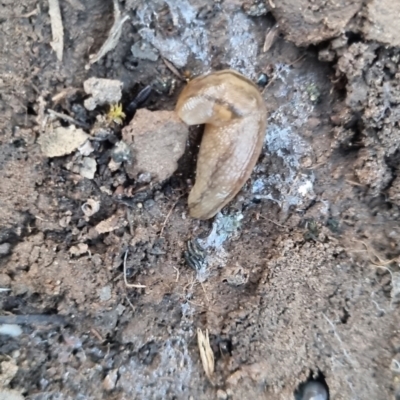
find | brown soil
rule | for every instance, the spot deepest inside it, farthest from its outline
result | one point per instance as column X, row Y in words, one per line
column 302, row 274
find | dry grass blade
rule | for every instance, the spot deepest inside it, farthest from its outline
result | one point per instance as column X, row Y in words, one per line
column 57, row 29
column 206, row 353
column 68, row 92
column 130, row 285
column 113, row 36
column 68, row 118
column 172, row 68
column 273, row 222
column 270, row 38
column 374, row 257
column 169, row 214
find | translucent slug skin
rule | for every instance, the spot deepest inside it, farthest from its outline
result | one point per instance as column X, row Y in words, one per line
column 234, row 114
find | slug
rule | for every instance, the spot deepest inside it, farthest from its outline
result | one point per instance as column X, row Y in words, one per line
column 234, row 114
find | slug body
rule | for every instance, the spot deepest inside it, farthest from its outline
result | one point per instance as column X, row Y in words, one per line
column 234, row 114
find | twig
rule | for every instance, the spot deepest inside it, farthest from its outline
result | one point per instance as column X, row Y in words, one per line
column 316, row 165
column 66, row 117
column 97, row 334
column 29, row 14
column 270, row 220
column 169, row 214
column 381, row 262
column 130, row 285
column 177, row 273
column 346, row 354
column 197, row 304
column 172, row 68
column 41, row 219
column 113, row 36
column 194, row 281
column 297, row 60
column 381, row 310
column 354, row 183
column 129, row 302
column 205, row 293
column 270, row 83
column 64, row 93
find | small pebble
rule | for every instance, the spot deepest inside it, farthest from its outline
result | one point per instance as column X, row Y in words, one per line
column 221, row 395
column 121, row 153
column 5, row 249
column 114, row 166
column 105, row 293
column 10, row 330
column 86, row 149
column 88, row 167
column 145, row 177
column 314, row 390
column 15, row 354
column 110, row 380
column 97, row 260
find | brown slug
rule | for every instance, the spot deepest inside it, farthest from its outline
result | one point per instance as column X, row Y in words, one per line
column 234, row 114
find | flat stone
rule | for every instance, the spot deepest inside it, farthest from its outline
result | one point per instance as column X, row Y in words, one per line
column 5, row 249
column 10, row 394
column 103, row 91
column 158, row 140
column 306, row 22
column 88, row 167
column 62, row 141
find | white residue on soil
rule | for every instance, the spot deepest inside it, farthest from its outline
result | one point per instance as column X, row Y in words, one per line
column 289, row 187
column 192, row 40
column 171, row 372
column 243, row 45
column 224, row 227
column 239, row 49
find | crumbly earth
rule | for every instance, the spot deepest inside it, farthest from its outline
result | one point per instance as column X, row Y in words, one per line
column 306, row 282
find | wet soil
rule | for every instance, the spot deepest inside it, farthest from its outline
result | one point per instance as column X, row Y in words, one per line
column 301, row 275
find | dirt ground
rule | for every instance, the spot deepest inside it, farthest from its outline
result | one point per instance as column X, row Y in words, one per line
column 301, row 276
